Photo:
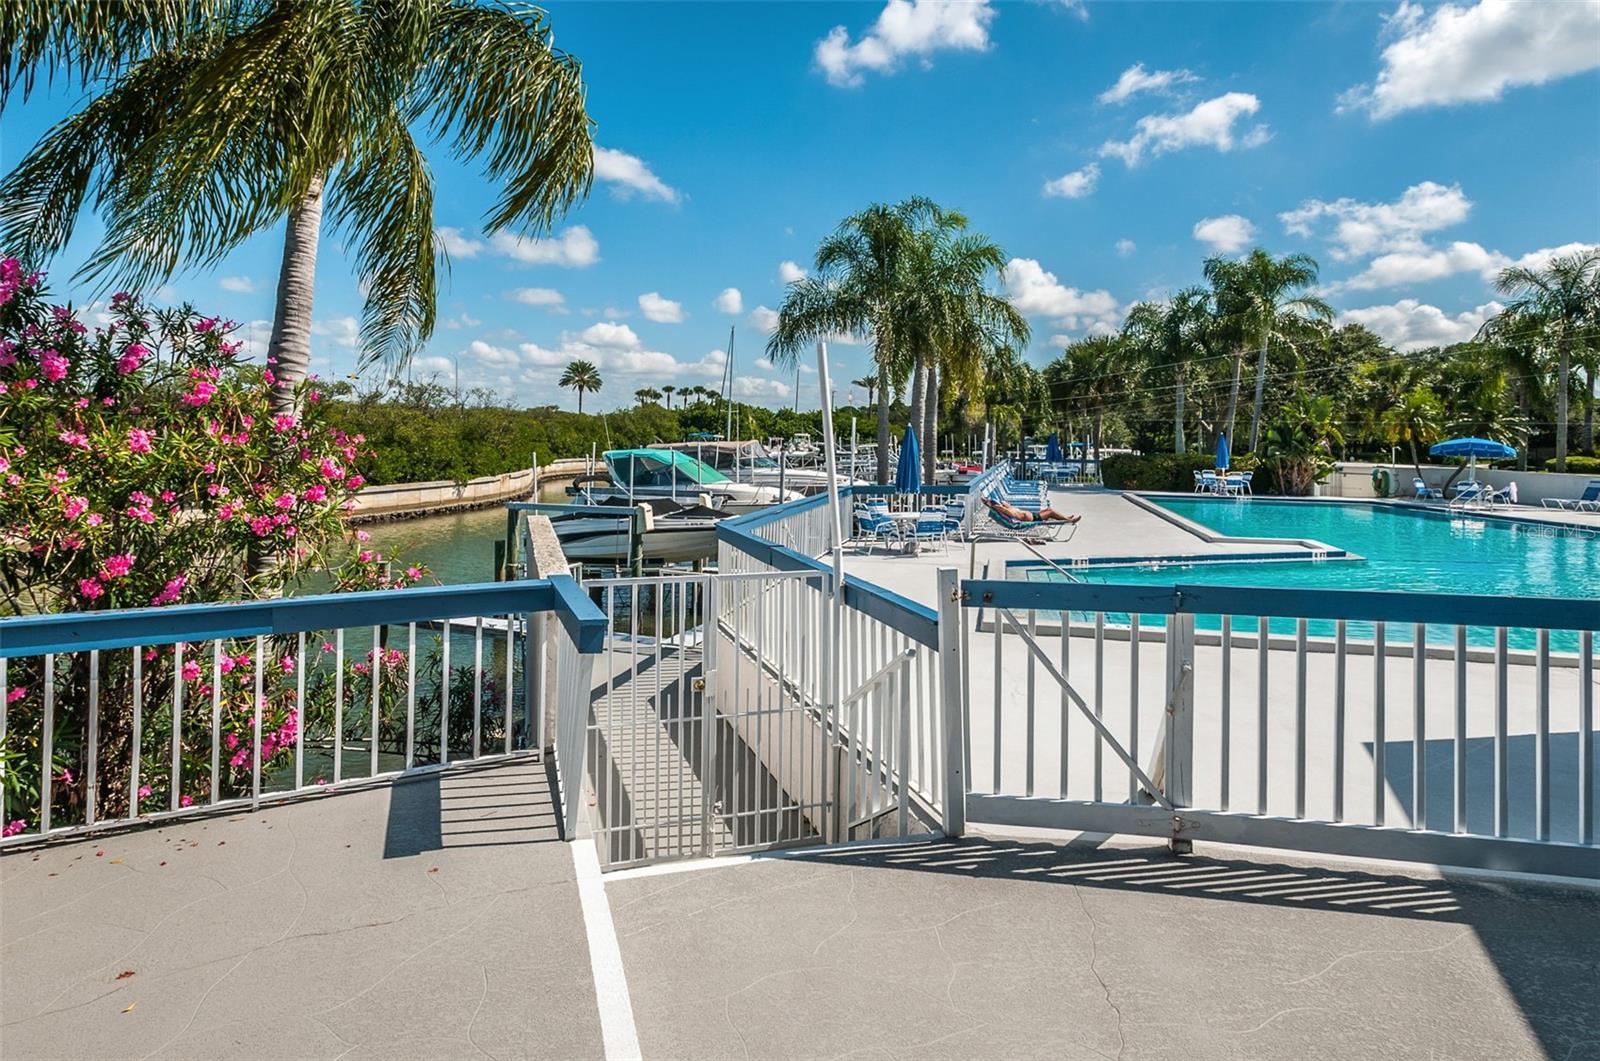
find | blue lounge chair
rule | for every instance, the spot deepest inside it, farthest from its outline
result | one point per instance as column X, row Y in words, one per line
column 1046, row 529
column 1589, row 501
column 1423, row 491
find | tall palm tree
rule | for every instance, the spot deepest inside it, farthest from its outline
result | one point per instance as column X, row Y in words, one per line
column 1257, row 296
column 1560, row 303
column 669, row 390
column 581, row 376
column 858, row 288
column 646, row 395
column 869, row 384
column 1171, row 334
column 1087, row 375
column 210, row 130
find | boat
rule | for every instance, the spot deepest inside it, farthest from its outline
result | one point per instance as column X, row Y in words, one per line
column 674, row 533
column 751, row 462
column 649, row 473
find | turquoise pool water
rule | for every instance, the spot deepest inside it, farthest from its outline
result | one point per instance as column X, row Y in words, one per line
column 1401, row 549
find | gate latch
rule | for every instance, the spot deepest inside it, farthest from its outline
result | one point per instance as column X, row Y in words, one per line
column 699, row 685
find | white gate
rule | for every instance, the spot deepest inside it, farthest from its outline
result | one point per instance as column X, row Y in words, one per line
column 710, row 723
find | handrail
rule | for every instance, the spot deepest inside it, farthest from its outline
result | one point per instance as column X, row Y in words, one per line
column 900, row 660
column 29, row 635
column 1550, row 613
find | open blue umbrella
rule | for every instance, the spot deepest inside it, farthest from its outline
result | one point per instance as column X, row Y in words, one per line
column 1052, row 448
column 908, row 473
column 1222, row 452
column 1472, row 447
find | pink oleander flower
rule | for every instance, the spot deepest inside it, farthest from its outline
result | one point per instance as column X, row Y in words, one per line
column 232, row 741
column 75, row 438
column 168, row 496
column 330, row 469
column 205, row 324
column 327, row 646
column 185, row 801
column 285, row 500
column 16, row 694
column 287, row 663
column 227, row 664
column 74, row 507
column 94, row 519
column 53, row 366
column 144, row 791
column 15, row 825
column 138, row 440
column 365, row 556
column 202, row 393
column 413, row 573
column 314, row 492
column 363, row 536
column 117, row 566
column 225, row 513
column 283, row 421
column 261, row 526
column 170, row 592
column 65, row 776
column 191, row 671
column 355, row 482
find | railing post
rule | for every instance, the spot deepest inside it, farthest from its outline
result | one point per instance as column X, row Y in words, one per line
column 1179, row 750
column 953, row 698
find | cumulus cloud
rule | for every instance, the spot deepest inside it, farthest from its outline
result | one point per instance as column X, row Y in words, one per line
column 1357, row 229
column 537, row 296
column 572, row 248
column 1472, row 54
column 756, row 387
column 1136, row 79
column 1423, row 264
column 904, row 29
column 1412, row 325
column 489, row 354
column 764, row 319
column 456, row 243
column 789, row 272
column 1074, row 185
column 1227, row 234
column 239, row 285
column 340, row 331
column 729, row 301
column 1208, row 124
column 659, row 309
column 461, row 320
column 608, row 334
column 1125, row 247
column 1037, row 293
column 630, row 175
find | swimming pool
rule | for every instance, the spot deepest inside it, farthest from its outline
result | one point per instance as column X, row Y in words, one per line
column 1400, row 548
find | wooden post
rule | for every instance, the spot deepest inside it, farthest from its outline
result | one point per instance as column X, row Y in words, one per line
column 501, row 572
column 639, row 524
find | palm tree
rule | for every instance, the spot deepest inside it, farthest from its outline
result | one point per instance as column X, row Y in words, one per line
column 1256, row 297
column 1560, row 303
column 869, row 384
column 858, row 289
column 646, row 395
column 1171, row 334
column 669, row 390
column 214, row 129
column 1087, row 375
column 1417, row 419
column 581, row 376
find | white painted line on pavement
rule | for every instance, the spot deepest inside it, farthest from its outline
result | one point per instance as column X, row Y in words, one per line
column 617, row 1030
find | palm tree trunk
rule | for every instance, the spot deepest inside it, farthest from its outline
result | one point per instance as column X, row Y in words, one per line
column 1233, row 395
column 580, row 401
column 1177, row 416
column 1563, row 384
column 919, row 391
column 1098, row 417
column 289, row 349
column 883, row 422
column 930, row 424
column 1588, row 411
column 1261, row 389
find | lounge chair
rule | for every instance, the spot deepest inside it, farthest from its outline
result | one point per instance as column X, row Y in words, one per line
column 1423, row 491
column 1589, row 501
column 1037, row 529
column 1470, row 495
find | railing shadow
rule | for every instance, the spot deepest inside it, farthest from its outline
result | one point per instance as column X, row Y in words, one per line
column 490, row 807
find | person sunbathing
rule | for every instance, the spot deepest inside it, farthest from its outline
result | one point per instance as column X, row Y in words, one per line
column 1022, row 515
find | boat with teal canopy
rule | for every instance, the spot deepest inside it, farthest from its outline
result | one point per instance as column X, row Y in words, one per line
column 648, row 473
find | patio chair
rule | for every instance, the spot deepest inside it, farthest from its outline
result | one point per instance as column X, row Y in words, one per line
column 875, row 527
column 930, row 527
column 1209, row 483
column 1199, row 483
column 1423, row 491
column 1588, row 501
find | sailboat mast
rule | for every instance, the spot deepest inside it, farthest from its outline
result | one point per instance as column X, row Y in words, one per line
column 728, row 386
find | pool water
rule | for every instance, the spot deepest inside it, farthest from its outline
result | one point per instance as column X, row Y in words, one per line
column 1400, row 549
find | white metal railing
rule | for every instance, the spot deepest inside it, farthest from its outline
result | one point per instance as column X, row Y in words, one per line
column 128, row 716
column 1344, row 722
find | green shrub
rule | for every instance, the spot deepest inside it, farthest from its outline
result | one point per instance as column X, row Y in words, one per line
column 1577, row 465
column 1154, row 471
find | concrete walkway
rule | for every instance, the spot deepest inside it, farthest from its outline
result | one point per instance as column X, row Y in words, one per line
column 435, row 919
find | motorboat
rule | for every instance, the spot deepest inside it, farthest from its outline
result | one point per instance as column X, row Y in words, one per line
column 751, row 462
column 673, row 533
column 659, row 473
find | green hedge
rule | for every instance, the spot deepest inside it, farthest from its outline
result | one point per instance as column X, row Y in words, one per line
column 1577, row 465
column 1154, row 471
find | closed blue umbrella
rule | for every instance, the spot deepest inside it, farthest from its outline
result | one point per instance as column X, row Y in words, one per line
column 1052, row 448
column 908, row 473
column 1222, row 452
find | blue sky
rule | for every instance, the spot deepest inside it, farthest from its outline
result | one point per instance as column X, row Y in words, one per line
column 1108, row 147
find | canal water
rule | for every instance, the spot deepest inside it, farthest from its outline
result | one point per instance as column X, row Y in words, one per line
column 456, row 547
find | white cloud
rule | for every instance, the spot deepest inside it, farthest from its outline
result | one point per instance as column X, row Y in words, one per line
column 729, row 301
column 629, row 175
column 431, row 364
column 661, row 310
column 915, row 28
column 1227, row 234
column 1419, row 266
column 1472, row 54
column 1540, row 258
column 755, row 387
column 790, row 272
column 537, row 296
column 612, row 313
column 1413, row 325
column 573, row 248
column 763, row 362
column 1074, row 185
column 239, row 285
column 456, row 243
column 616, row 336
column 1360, row 229
column 1208, row 124
column 340, row 331
column 462, row 320
column 489, row 354
column 1136, row 79
column 1126, row 247
column 1035, row 292
column 764, row 319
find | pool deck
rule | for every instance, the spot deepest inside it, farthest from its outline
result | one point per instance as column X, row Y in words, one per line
column 444, row 918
